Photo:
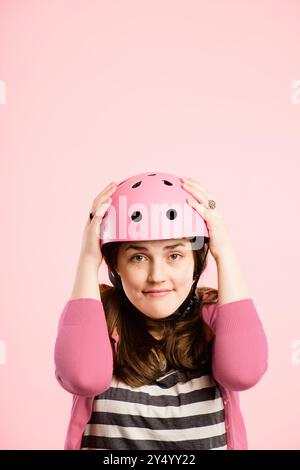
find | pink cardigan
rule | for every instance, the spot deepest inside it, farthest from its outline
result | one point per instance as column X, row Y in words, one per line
column 84, row 363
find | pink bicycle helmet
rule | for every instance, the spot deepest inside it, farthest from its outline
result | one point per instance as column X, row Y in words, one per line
column 153, row 206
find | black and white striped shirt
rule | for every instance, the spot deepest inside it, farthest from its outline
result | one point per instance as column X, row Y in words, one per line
column 164, row 415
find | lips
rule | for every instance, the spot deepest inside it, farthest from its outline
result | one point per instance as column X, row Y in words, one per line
column 156, row 291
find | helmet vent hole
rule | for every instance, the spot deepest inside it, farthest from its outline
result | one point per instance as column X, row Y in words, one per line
column 152, row 174
column 168, row 183
column 136, row 185
column 136, row 216
column 171, row 214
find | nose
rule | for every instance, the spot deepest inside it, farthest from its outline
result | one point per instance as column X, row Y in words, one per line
column 156, row 273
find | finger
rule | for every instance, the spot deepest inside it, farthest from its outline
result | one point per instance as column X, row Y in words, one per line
column 102, row 197
column 100, row 211
column 197, row 194
column 107, row 189
column 103, row 208
column 106, row 194
column 197, row 206
column 98, row 217
column 194, row 183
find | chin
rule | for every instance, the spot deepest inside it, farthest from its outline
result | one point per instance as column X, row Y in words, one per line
column 156, row 308
column 158, row 313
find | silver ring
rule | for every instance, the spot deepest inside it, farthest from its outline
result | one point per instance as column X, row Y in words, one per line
column 211, row 204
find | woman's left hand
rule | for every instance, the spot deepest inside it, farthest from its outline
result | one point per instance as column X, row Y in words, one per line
column 219, row 239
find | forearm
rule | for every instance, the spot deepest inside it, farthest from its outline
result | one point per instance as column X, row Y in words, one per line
column 86, row 280
column 240, row 352
column 83, row 353
column 231, row 282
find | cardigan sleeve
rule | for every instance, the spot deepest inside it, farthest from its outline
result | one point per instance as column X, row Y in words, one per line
column 82, row 353
column 240, row 348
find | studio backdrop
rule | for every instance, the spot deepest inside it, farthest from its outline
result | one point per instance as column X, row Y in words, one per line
column 94, row 92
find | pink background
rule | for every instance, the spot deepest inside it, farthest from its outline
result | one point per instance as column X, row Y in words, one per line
column 100, row 90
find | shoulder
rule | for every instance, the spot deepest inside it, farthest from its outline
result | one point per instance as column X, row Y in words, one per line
column 238, row 310
column 208, row 297
column 207, row 313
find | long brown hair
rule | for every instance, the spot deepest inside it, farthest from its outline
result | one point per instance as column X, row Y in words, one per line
column 139, row 356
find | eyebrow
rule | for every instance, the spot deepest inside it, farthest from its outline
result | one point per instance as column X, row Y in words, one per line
column 137, row 247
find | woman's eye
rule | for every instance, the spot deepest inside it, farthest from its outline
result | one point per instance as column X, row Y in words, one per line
column 141, row 256
column 137, row 256
column 176, row 254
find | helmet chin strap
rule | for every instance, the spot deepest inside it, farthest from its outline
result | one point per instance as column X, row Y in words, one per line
column 182, row 311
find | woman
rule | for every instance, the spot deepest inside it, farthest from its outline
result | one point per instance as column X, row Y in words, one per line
column 149, row 370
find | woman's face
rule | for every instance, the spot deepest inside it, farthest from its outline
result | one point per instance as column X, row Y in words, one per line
column 156, row 265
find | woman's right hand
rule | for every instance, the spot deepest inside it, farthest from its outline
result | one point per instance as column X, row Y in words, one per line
column 90, row 248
